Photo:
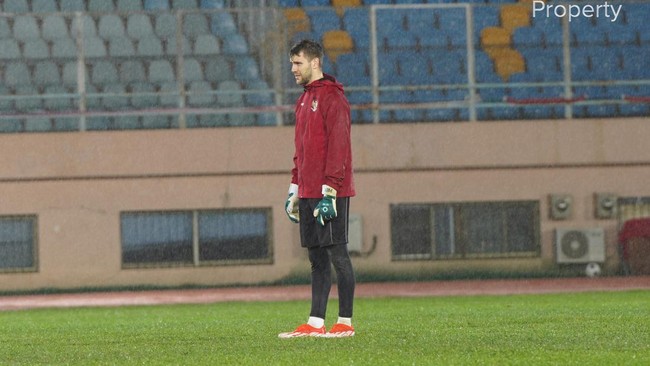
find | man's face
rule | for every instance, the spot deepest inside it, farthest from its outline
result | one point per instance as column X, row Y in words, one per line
column 301, row 68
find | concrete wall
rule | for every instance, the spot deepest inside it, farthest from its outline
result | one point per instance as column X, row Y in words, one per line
column 78, row 184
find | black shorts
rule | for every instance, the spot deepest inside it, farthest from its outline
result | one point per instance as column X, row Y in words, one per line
column 312, row 234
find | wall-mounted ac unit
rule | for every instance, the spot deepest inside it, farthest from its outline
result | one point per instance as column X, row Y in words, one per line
column 580, row 245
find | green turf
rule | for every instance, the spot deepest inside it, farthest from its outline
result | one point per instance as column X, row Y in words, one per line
column 582, row 329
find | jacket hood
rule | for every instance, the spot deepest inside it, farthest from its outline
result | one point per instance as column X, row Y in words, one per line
column 326, row 81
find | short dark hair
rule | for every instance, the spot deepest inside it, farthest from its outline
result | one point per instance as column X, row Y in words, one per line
column 309, row 48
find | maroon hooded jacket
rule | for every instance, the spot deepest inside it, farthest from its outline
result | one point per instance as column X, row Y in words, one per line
column 323, row 150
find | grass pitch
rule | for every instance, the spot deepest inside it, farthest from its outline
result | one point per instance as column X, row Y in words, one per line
column 610, row 328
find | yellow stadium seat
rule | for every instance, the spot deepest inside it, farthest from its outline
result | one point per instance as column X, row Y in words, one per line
column 507, row 62
column 339, row 5
column 337, row 42
column 514, row 16
column 297, row 21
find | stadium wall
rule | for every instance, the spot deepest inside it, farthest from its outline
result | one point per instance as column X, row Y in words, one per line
column 77, row 184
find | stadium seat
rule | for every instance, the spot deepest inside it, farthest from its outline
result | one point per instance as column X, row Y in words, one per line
column 336, row 43
column 323, row 20
column 27, row 99
column 211, row 4
column 185, row 4
column 155, row 122
column 6, row 104
column 65, row 48
column 69, row 74
column 9, row 49
column 218, row 69
column 192, row 70
column 57, row 98
column 199, row 94
column 515, row 16
column 129, row 5
column 206, row 44
column 36, row 49
column 111, row 26
column 16, row 6
column 104, row 72
column 139, row 26
column 356, row 23
column 25, row 27
column 165, row 25
column 46, row 73
column 10, row 125
column 235, row 44
column 16, row 74
column 114, row 97
column 233, row 98
column 5, row 30
column 94, row 47
column 156, row 4
column 169, row 94
column 54, row 27
column 121, row 47
column 87, row 24
column 223, row 24
column 246, row 69
column 38, row 124
column 195, row 24
column 125, row 123
column 161, row 71
column 132, row 71
column 100, row 6
column 72, row 5
column 353, row 69
column 143, row 95
column 150, row 46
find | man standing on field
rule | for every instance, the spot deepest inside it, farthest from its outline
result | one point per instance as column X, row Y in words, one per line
column 321, row 187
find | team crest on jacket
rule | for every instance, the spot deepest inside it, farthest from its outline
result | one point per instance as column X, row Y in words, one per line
column 314, row 105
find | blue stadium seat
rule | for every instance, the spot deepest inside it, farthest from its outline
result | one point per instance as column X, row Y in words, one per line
column 38, row 124
column 232, row 99
column 356, row 23
column 323, row 20
column 353, row 69
column 223, row 24
column 195, row 24
column 212, row 4
column 156, row 4
column 206, row 44
column 185, row 4
column 246, row 69
column 235, row 44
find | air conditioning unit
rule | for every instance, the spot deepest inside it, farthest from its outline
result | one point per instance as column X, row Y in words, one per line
column 580, row 245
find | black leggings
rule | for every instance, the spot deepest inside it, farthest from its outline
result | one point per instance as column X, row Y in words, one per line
column 322, row 259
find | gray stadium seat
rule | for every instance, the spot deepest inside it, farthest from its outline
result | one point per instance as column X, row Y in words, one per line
column 29, row 101
column 101, row 6
column 38, row 124
column 126, row 123
column 143, row 96
column 192, row 70
column 132, row 71
column 169, row 94
column 150, row 46
column 10, row 125
column 195, row 24
column 72, row 5
column 161, row 71
column 25, row 27
column 218, row 69
column 104, row 72
column 139, row 26
column 66, row 123
column 5, row 103
column 234, row 44
column 121, row 47
column 233, row 99
column 223, row 24
column 17, row 73
column 165, row 25
column 129, row 5
column 46, row 73
column 54, row 26
column 44, row 6
column 185, row 4
column 5, row 31
column 89, row 26
column 56, row 98
column 64, row 48
column 172, row 46
column 16, row 6
column 93, row 98
column 155, row 122
column 199, row 94
column 94, row 47
column 110, row 26
column 36, row 49
column 206, row 44
column 9, row 49
column 114, row 97
column 69, row 74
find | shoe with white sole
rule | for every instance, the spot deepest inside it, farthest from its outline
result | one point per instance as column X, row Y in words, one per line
column 340, row 331
column 304, row 330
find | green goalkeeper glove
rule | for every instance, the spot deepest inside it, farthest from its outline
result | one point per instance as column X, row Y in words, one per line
column 291, row 206
column 326, row 208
